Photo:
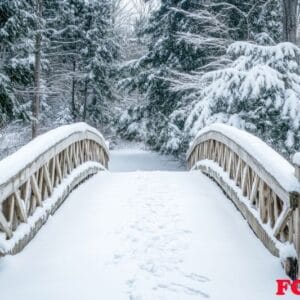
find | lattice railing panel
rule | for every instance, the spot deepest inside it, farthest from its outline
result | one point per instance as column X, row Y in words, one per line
column 27, row 190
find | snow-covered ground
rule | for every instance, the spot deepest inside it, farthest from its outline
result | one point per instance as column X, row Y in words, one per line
column 143, row 236
column 132, row 156
column 128, row 160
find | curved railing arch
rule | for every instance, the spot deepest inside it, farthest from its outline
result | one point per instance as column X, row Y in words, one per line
column 41, row 175
column 260, row 182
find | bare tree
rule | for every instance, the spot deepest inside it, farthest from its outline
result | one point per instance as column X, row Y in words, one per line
column 37, row 71
column 290, row 20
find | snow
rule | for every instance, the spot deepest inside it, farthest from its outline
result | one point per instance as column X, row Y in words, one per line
column 11, row 165
column 273, row 162
column 125, row 160
column 259, row 88
column 296, row 159
column 143, row 235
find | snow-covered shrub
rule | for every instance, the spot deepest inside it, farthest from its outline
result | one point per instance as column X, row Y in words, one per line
column 130, row 124
column 259, row 91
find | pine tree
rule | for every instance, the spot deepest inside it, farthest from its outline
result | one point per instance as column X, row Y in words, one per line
column 98, row 55
column 65, row 39
column 258, row 91
column 290, row 10
column 248, row 20
column 183, row 36
column 81, row 52
column 17, row 64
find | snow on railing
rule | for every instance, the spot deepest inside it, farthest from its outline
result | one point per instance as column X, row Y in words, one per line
column 36, row 179
column 263, row 185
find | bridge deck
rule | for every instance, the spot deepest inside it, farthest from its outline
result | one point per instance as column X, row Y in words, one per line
column 143, row 235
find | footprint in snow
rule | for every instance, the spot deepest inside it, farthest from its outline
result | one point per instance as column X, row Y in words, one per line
column 190, row 291
column 197, row 277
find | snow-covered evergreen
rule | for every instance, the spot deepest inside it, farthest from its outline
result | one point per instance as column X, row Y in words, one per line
column 151, row 72
column 259, row 91
column 183, row 36
column 17, row 26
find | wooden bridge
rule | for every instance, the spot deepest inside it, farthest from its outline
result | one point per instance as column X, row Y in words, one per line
column 264, row 187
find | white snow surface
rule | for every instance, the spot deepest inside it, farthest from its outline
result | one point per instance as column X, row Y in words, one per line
column 273, row 162
column 12, row 164
column 143, row 236
column 296, row 159
column 129, row 160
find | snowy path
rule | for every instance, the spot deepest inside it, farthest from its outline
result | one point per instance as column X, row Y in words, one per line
column 128, row 160
column 143, row 236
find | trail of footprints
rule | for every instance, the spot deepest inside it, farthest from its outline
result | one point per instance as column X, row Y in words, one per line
column 155, row 244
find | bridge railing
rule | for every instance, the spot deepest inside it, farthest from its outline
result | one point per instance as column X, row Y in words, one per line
column 36, row 179
column 261, row 183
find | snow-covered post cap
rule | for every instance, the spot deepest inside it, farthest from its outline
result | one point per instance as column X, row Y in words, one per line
column 296, row 163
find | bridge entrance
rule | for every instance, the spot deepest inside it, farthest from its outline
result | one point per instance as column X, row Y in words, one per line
column 138, row 159
column 143, row 235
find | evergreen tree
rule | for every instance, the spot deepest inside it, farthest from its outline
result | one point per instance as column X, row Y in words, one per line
column 183, row 36
column 250, row 20
column 98, row 55
column 258, row 91
column 17, row 25
column 80, row 51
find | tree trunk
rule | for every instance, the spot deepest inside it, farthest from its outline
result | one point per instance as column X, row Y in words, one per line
column 73, row 90
column 290, row 16
column 37, row 72
column 85, row 99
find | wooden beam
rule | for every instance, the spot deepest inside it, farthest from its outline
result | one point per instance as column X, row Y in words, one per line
column 5, row 226
column 254, row 189
column 21, row 207
column 36, row 191
column 279, row 226
column 47, row 179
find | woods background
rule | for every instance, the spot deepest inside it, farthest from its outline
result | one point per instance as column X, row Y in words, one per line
column 150, row 71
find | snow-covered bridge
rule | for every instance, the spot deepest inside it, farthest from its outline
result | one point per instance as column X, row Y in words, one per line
column 163, row 233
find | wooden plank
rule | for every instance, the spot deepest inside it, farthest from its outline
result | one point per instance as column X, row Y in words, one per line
column 229, row 165
column 238, row 168
column 80, row 152
column 224, row 161
column 58, row 169
column 41, row 178
column 254, row 189
column 69, row 163
column 262, row 204
column 5, row 226
column 21, row 207
column 75, row 155
column 280, row 225
column 11, row 202
column 244, row 179
column 52, row 162
column 271, row 210
column 47, row 179
column 36, row 190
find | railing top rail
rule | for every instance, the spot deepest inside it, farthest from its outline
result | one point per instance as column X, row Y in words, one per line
column 21, row 164
column 266, row 161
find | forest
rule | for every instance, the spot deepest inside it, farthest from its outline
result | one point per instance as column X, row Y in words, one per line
column 150, row 71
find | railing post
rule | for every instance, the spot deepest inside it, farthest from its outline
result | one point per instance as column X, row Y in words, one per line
column 296, row 163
